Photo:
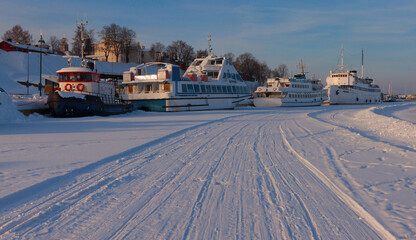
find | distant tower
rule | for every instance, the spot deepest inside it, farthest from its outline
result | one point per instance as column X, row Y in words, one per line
column 63, row 45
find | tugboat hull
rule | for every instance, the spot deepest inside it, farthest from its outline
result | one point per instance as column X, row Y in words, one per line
column 86, row 106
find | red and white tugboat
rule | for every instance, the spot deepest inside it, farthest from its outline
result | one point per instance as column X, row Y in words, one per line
column 82, row 92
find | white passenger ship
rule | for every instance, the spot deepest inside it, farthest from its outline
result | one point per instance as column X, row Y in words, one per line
column 298, row 91
column 209, row 83
column 346, row 87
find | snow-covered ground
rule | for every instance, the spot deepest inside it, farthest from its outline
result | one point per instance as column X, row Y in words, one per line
column 328, row 172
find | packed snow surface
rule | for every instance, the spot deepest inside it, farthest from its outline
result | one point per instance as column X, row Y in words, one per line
column 328, row 172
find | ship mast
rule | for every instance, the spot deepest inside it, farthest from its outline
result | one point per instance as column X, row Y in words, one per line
column 362, row 63
column 209, row 44
column 301, row 66
column 81, row 24
column 342, row 59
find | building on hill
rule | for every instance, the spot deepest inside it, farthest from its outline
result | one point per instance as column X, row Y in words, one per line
column 135, row 53
column 16, row 47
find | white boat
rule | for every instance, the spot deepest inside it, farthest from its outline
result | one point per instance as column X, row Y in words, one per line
column 209, row 83
column 346, row 87
column 298, row 91
column 31, row 103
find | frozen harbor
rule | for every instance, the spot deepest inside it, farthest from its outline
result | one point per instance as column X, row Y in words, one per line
column 327, row 172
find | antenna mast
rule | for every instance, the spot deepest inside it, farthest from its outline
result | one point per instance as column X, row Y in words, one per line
column 81, row 24
column 342, row 59
column 362, row 63
column 209, row 44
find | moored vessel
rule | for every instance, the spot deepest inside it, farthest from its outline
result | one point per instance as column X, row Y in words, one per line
column 84, row 92
column 297, row 91
column 346, row 87
column 210, row 83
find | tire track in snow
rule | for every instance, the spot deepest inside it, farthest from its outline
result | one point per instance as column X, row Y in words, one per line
column 288, row 189
column 137, row 217
column 202, row 194
column 370, row 220
column 59, row 201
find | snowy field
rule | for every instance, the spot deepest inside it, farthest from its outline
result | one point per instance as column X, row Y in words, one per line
column 328, row 172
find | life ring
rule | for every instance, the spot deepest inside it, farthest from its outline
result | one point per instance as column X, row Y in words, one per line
column 68, row 87
column 274, row 89
column 80, row 87
column 260, row 89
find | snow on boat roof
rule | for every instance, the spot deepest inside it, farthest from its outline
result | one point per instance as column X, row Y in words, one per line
column 74, row 69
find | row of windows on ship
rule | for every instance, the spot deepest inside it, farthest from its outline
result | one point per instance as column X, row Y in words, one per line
column 185, row 88
column 291, row 95
column 196, row 88
column 299, row 85
column 351, row 87
column 78, row 77
column 214, row 75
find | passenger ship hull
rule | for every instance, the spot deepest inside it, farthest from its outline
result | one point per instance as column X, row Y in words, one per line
column 339, row 95
column 87, row 106
column 280, row 102
column 179, row 103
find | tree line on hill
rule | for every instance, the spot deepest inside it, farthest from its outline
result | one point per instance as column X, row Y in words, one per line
column 117, row 40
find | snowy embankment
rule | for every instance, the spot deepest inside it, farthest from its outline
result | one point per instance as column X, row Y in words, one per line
column 15, row 66
column 285, row 173
column 8, row 111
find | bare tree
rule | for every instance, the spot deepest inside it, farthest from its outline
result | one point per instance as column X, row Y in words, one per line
column 18, row 35
column 127, row 37
column 181, row 51
column 230, row 56
column 250, row 68
column 89, row 41
column 282, row 71
column 55, row 43
column 105, row 35
column 201, row 53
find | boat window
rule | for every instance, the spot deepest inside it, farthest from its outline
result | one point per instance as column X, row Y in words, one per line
column 184, row 89
column 208, row 88
column 214, row 88
column 87, row 77
column 196, row 87
column 61, row 77
column 148, row 88
column 233, row 76
column 197, row 63
column 224, row 75
column 72, row 77
column 219, row 90
column 218, row 62
column 66, row 77
column 229, row 89
column 203, row 88
column 224, row 89
column 80, row 77
column 190, row 88
column 234, row 91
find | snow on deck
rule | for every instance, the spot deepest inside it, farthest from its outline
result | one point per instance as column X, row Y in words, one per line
column 323, row 172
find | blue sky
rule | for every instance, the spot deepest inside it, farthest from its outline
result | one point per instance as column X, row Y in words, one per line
column 275, row 32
